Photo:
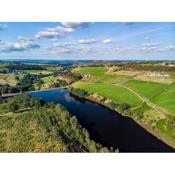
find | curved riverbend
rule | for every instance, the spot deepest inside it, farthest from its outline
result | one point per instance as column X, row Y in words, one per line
column 104, row 125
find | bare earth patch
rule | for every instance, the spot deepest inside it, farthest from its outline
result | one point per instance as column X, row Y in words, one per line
column 157, row 78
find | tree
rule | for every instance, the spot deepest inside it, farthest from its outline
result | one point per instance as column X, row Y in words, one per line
column 13, row 106
column 74, row 122
column 124, row 106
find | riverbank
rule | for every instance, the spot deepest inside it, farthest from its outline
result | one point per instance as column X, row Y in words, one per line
column 154, row 131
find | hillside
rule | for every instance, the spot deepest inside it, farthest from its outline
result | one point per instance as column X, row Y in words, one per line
column 30, row 125
column 148, row 90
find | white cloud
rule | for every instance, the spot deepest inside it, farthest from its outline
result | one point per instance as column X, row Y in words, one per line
column 62, row 48
column 69, row 48
column 2, row 27
column 106, row 41
column 74, row 24
column 23, row 44
column 54, row 32
column 87, row 41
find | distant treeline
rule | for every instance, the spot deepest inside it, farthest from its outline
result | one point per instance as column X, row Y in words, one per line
column 22, row 66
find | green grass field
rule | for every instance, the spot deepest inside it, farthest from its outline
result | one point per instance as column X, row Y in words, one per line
column 102, row 83
column 147, row 89
column 167, row 98
column 96, row 71
column 49, row 79
column 113, row 92
column 99, row 74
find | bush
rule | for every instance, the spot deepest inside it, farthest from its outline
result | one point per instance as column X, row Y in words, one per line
column 13, row 106
column 113, row 105
column 79, row 92
column 124, row 106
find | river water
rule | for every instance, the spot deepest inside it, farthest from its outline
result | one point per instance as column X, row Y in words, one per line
column 105, row 126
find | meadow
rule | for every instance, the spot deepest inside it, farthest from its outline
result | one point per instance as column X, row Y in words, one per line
column 167, row 98
column 116, row 93
column 147, row 89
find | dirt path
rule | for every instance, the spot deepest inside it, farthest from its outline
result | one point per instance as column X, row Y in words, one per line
column 130, row 78
column 147, row 101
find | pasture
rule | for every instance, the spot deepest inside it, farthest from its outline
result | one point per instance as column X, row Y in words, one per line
column 96, row 71
column 100, row 74
column 167, row 98
column 147, row 89
column 112, row 92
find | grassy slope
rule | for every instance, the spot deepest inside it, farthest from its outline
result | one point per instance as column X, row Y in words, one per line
column 148, row 89
column 113, row 92
column 167, row 98
column 96, row 71
column 102, row 83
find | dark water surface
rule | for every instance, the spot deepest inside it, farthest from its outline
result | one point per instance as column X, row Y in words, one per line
column 106, row 126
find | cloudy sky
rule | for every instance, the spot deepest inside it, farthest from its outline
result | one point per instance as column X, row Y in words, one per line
column 77, row 40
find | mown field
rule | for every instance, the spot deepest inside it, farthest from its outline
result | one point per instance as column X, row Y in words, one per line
column 113, row 92
column 167, row 98
column 147, row 89
column 95, row 71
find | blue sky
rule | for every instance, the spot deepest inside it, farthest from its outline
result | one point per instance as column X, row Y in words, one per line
column 78, row 40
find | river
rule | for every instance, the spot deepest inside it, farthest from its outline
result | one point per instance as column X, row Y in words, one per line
column 105, row 126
